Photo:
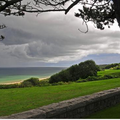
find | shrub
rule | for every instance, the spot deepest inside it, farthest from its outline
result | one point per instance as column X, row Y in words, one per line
column 81, row 80
column 61, row 83
column 30, row 82
column 26, row 84
column 9, row 86
column 108, row 76
column 92, row 78
column 44, row 82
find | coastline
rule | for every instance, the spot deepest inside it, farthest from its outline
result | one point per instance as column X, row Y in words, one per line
column 18, row 82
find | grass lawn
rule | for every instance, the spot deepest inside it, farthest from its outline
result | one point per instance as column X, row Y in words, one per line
column 22, row 99
column 109, row 113
column 108, row 72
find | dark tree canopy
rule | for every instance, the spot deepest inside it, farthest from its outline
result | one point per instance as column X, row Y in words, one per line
column 100, row 12
column 75, row 72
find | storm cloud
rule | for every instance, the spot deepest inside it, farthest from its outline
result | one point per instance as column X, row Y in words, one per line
column 53, row 38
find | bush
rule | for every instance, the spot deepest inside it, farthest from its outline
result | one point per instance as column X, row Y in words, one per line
column 61, row 83
column 92, row 78
column 9, row 86
column 108, row 76
column 26, row 84
column 81, row 80
column 44, row 82
column 30, row 82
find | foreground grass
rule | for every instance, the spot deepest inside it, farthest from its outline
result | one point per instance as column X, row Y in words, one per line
column 108, row 113
column 22, row 99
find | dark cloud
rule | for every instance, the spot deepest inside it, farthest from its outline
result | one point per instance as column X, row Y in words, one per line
column 15, row 36
column 52, row 38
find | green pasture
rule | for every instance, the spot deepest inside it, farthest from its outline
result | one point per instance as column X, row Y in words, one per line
column 108, row 72
column 21, row 99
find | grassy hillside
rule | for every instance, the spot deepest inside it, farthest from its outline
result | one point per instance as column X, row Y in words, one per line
column 22, row 99
column 108, row 72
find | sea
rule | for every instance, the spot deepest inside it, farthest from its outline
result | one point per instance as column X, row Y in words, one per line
column 9, row 75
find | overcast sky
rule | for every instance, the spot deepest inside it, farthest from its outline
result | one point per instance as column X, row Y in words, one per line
column 53, row 39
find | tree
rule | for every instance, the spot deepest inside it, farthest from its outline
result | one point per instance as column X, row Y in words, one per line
column 75, row 72
column 100, row 12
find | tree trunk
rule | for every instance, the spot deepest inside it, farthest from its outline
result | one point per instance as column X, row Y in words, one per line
column 117, row 10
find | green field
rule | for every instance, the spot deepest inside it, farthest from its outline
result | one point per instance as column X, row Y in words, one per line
column 22, row 99
column 108, row 72
column 108, row 113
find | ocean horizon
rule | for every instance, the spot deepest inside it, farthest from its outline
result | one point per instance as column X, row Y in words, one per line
column 17, row 74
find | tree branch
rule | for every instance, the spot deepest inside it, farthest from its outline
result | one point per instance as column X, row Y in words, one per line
column 8, row 3
column 72, row 5
column 41, row 11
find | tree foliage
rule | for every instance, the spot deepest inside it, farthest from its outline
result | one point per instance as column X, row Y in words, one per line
column 30, row 82
column 100, row 12
column 75, row 72
column 111, row 65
